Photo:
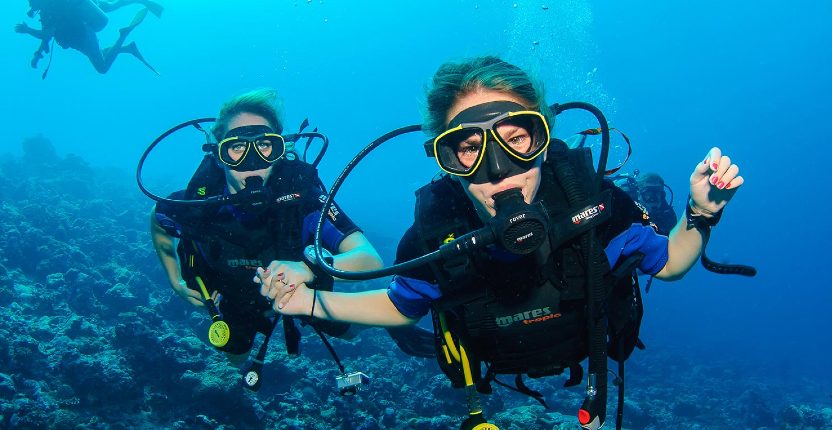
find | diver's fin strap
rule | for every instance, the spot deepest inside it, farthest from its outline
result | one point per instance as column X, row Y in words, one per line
column 292, row 336
column 592, row 213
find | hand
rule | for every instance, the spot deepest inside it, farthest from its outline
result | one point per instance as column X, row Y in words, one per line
column 189, row 295
column 287, row 299
column 21, row 28
column 714, row 182
column 288, row 272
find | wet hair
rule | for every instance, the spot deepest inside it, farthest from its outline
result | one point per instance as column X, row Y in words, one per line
column 262, row 102
column 455, row 80
column 650, row 180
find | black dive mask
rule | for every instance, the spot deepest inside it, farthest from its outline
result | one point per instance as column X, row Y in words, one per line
column 250, row 147
column 476, row 148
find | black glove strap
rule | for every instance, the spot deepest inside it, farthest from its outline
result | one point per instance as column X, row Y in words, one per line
column 699, row 221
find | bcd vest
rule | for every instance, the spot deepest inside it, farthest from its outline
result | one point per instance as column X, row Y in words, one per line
column 524, row 315
column 223, row 248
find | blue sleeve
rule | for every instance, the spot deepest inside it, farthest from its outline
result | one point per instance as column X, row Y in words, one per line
column 643, row 239
column 331, row 236
column 412, row 297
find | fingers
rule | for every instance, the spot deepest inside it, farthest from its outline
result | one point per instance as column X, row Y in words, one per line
column 287, row 295
column 726, row 175
column 718, row 170
column 708, row 165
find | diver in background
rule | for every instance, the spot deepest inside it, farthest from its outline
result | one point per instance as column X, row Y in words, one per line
column 652, row 194
column 650, row 191
column 73, row 24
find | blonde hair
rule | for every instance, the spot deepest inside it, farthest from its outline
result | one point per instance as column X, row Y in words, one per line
column 262, row 102
column 454, row 80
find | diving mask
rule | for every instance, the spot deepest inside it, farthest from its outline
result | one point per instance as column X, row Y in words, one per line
column 466, row 149
column 239, row 145
column 652, row 195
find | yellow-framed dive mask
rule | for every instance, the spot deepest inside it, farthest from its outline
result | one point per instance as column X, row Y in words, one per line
column 521, row 136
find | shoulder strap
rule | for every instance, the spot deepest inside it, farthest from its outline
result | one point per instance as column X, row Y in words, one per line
column 208, row 180
column 442, row 214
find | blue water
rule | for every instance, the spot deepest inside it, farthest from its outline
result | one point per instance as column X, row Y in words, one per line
column 678, row 77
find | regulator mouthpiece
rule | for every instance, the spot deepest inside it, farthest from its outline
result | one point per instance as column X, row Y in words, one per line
column 518, row 226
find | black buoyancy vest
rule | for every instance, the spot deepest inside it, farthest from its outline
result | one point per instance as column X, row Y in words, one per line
column 223, row 251
column 526, row 316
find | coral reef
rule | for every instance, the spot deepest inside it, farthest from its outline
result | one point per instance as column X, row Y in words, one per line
column 95, row 339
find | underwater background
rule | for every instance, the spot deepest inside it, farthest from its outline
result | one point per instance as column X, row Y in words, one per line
column 92, row 337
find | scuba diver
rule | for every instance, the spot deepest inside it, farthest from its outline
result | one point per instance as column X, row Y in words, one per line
column 247, row 204
column 651, row 192
column 74, row 24
column 524, row 255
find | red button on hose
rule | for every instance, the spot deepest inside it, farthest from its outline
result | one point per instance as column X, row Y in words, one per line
column 583, row 416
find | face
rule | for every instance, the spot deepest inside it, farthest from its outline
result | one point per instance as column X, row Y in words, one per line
column 237, row 180
column 652, row 198
column 482, row 194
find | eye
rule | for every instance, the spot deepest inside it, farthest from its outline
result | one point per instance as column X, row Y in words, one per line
column 264, row 144
column 239, row 147
column 518, row 139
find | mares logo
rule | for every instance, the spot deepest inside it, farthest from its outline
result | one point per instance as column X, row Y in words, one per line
column 287, row 198
column 588, row 214
column 333, row 210
column 244, row 262
column 528, row 317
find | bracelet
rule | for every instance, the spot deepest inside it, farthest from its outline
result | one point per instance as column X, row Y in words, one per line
column 698, row 220
column 314, row 299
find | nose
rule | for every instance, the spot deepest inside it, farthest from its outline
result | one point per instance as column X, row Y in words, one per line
column 496, row 160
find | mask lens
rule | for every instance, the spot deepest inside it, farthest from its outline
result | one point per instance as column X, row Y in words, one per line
column 270, row 147
column 652, row 195
column 459, row 151
column 524, row 135
column 232, row 151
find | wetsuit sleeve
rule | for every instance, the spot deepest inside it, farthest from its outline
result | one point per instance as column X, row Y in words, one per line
column 165, row 214
column 631, row 231
column 337, row 224
column 412, row 292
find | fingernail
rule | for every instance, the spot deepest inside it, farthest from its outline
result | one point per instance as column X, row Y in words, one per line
column 720, row 185
column 713, row 180
column 728, row 186
column 280, row 305
column 715, row 166
column 291, row 286
column 705, row 161
column 280, row 275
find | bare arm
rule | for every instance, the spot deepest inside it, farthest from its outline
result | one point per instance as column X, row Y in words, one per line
column 165, row 248
column 372, row 308
column 355, row 253
column 43, row 35
column 712, row 184
column 683, row 248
